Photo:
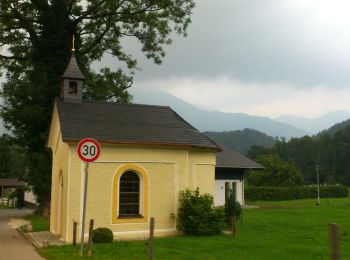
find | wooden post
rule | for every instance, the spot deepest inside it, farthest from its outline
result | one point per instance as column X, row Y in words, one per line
column 150, row 240
column 233, row 223
column 91, row 228
column 334, row 241
column 75, row 225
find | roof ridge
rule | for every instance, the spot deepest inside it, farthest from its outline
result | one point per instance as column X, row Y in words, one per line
column 121, row 104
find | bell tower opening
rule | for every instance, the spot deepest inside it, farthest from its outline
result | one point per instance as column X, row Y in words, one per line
column 73, row 88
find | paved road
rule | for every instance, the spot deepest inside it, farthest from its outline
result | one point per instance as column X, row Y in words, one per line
column 13, row 246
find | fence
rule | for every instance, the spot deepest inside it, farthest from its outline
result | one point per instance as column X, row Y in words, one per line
column 7, row 202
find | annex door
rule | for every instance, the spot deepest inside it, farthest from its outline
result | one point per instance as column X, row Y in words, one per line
column 230, row 190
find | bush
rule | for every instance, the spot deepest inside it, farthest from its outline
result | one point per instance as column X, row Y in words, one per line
column 102, row 235
column 197, row 214
column 232, row 209
column 294, row 193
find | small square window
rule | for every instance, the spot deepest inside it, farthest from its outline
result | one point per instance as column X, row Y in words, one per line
column 73, row 88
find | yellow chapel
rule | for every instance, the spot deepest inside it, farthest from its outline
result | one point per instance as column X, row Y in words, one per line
column 148, row 155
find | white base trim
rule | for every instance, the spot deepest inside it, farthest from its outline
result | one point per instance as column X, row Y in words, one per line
column 139, row 232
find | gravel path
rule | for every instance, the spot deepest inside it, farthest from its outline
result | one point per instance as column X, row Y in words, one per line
column 13, row 246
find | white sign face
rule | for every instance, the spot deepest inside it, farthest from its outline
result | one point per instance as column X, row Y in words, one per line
column 88, row 150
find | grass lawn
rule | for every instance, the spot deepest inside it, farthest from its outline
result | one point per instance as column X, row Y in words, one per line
column 281, row 230
column 38, row 223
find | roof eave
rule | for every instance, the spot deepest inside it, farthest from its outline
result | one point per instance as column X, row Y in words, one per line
column 236, row 167
column 141, row 143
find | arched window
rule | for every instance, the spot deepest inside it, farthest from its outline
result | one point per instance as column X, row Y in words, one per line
column 129, row 195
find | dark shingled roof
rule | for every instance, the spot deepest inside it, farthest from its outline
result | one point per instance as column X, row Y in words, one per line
column 128, row 123
column 72, row 70
column 11, row 182
column 228, row 158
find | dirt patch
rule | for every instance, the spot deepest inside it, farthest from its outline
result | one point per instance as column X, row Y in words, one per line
column 17, row 222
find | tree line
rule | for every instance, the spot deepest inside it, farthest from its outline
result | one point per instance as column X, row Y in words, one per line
column 331, row 152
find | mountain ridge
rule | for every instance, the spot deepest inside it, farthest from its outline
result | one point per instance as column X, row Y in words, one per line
column 205, row 120
column 317, row 124
column 242, row 140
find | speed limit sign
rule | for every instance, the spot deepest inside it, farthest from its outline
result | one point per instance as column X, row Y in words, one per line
column 88, row 150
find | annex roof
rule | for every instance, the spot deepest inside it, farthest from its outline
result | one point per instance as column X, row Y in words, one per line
column 11, row 182
column 72, row 70
column 228, row 158
column 128, row 123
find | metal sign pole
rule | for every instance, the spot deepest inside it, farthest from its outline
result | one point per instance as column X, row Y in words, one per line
column 84, row 209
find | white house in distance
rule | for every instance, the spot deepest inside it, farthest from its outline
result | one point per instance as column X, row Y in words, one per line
column 8, row 185
column 230, row 169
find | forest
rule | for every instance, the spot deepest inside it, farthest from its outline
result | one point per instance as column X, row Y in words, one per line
column 329, row 150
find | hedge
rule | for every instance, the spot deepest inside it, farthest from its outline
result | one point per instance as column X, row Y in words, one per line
column 102, row 235
column 293, row 193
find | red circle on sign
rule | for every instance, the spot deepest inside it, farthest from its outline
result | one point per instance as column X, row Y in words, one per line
column 88, row 154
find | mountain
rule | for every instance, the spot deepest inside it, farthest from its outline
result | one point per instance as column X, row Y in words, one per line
column 205, row 120
column 242, row 140
column 338, row 127
column 315, row 125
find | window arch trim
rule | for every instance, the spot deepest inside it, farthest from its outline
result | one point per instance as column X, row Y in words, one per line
column 144, row 183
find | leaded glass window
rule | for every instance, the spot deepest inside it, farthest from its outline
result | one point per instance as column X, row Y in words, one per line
column 129, row 194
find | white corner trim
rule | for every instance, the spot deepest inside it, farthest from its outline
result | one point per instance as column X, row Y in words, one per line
column 186, row 170
column 176, row 195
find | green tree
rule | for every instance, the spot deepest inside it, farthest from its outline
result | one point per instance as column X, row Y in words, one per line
column 257, row 151
column 302, row 151
column 341, row 155
column 5, row 158
column 276, row 173
column 12, row 159
column 35, row 43
column 325, row 151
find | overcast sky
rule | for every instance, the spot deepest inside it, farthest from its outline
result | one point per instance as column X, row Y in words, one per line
column 270, row 57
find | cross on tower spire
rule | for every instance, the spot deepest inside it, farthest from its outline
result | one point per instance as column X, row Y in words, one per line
column 72, row 80
column 73, row 43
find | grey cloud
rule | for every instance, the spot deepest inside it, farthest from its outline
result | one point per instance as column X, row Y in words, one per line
column 249, row 40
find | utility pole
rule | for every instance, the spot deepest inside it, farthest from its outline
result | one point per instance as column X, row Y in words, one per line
column 318, row 184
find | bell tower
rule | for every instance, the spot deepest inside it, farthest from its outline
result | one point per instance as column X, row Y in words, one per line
column 72, row 81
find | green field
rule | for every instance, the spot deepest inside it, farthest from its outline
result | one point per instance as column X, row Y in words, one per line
column 279, row 230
